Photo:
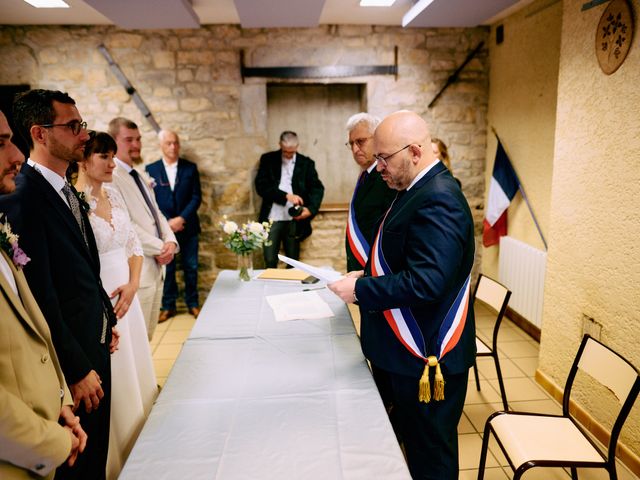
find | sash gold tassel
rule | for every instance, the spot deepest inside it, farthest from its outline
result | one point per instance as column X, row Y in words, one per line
column 424, row 391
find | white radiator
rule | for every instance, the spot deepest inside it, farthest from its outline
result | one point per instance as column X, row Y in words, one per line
column 521, row 270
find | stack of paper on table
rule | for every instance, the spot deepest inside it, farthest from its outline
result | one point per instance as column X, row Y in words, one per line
column 283, row 274
column 299, row 306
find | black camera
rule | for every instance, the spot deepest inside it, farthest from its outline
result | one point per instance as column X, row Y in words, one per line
column 295, row 211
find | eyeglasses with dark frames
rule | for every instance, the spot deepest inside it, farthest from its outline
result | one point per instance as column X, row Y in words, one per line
column 384, row 160
column 74, row 125
column 358, row 141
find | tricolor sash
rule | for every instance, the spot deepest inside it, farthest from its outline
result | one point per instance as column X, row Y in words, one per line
column 358, row 245
column 407, row 331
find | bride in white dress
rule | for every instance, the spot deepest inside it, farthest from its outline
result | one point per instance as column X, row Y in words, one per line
column 134, row 386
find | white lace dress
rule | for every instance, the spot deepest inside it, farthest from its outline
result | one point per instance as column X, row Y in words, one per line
column 133, row 380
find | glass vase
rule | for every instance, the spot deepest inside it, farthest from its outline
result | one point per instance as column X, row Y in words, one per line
column 245, row 266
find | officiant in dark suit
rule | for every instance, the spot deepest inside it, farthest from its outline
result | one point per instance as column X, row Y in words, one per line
column 417, row 322
column 64, row 271
column 291, row 195
column 177, row 190
column 371, row 195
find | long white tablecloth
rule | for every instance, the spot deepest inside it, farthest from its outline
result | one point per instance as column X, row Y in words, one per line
column 252, row 398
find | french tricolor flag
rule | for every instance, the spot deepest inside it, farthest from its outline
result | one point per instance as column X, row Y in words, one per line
column 504, row 186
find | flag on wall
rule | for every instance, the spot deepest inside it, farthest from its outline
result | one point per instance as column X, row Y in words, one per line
column 504, row 186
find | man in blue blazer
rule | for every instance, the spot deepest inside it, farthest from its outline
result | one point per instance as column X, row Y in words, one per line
column 177, row 190
column 287, row 179
column 417, row 321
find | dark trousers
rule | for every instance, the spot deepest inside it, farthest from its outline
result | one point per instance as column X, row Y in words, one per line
column 429, row 431
column 282, row 232
column 189, row 258
column 92, row 463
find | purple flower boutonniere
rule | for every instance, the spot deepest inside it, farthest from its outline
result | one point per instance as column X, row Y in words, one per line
column 9, row 243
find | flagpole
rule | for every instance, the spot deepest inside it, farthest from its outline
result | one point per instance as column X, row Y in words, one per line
column 524, row 196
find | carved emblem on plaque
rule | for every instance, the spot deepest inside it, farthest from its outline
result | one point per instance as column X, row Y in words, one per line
column 614, row 35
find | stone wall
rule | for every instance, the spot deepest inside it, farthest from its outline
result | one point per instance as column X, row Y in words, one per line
column 191, row 81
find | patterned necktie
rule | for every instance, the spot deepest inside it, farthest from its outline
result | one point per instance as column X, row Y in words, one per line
column 136, row 176
column 74, row 204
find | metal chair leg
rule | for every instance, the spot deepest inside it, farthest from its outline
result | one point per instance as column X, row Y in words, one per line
column 503, row 392
column 475, row 372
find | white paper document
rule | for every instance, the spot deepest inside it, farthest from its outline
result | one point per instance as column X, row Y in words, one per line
column 323, row 274
column 299, row 306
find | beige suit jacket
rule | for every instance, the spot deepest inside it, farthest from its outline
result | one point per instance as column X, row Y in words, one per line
column 144, row 224
column 32, row 387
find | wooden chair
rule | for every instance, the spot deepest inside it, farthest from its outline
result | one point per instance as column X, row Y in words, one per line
column 496, row 296
column 537, row 440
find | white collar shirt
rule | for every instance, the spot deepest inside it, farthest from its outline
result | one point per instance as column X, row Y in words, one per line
column 172, row 172
column 281, row 212
column 55, row 180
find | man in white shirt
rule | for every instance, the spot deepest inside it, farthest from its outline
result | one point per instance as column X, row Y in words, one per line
column 159, row 244
column 291, row 195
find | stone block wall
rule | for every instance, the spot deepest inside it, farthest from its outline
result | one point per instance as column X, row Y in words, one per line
column 191, row 81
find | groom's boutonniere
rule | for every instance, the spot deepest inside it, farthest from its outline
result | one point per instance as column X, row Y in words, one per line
column 84, row 201
column 9, row 243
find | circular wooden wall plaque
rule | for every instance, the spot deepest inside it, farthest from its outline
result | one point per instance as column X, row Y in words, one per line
column 613, row 36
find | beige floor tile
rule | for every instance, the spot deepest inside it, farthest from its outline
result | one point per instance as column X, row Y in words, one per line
column 488, row 393
column 601, row 474
column 465, row 426
column 495, row 473
column 162, row 367
column 469, row 446
column 521, row 389
column 523, row 348
column 487, row 367
column 162, row 327
column 528, row 365
column 167, row 351
column 161, row 381
column 156, row 339
column 182, row 322
column 175, row 336
column 478, row 413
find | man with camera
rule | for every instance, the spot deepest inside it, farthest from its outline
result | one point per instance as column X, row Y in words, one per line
column 291, row 195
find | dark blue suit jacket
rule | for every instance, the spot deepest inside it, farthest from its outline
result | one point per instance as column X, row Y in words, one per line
column 184, row 200
column 428, row 242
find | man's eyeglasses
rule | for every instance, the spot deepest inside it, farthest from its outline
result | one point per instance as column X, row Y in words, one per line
column 74, row 125
column 383, row 160
column 358, row 141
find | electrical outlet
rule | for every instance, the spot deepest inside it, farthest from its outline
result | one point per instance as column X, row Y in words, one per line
column 590, row 326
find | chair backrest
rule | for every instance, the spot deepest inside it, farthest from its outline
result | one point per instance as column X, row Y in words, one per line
column 612, row 371
column 492, row 293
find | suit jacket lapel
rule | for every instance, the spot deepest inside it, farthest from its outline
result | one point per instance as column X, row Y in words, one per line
column 11, row 296
column 61, row 208
column 402, row 202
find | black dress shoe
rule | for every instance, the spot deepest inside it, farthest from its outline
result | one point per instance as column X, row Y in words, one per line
column 195, row 311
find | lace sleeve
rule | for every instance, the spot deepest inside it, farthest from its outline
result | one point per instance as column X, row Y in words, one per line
column 132, row 244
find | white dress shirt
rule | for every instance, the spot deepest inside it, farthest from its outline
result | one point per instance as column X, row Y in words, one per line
column 6, row 271
column 55, row 180
column 172, row 172
column 280, row 212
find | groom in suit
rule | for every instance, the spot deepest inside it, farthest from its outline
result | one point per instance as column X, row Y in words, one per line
column 64, row 271
column 38, row 430
column 418, row 269
column 287, row 179
column 159, row 244
column 178, row 194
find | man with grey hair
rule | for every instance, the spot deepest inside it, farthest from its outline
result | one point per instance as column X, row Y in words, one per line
column 177, row 189
column 291, row 195
column 371, row 197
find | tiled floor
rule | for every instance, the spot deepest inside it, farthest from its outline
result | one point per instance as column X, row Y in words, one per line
column 519, row 359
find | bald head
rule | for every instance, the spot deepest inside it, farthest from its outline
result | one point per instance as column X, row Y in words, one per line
column 170, row 145
column 403, row 141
